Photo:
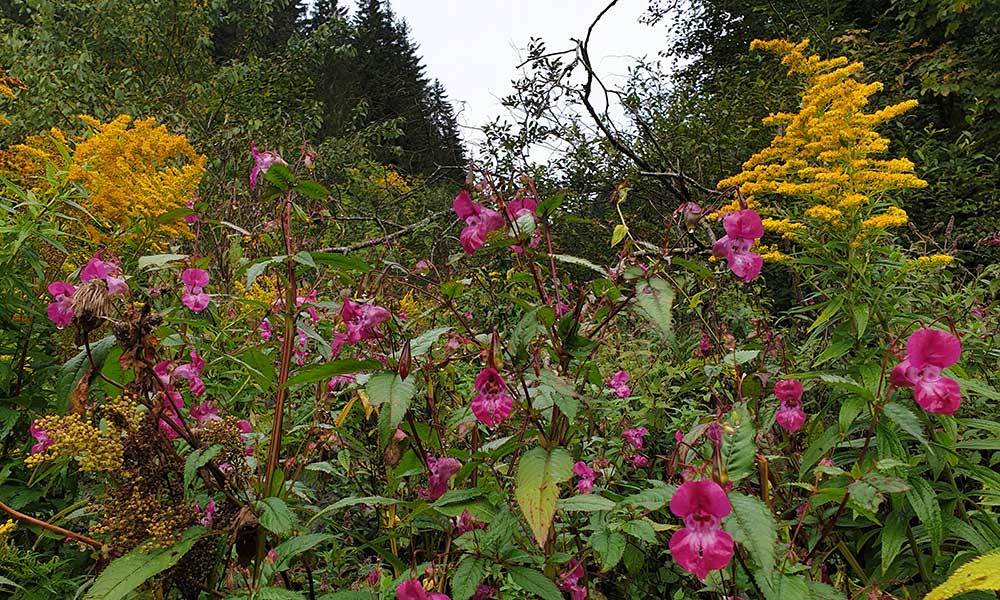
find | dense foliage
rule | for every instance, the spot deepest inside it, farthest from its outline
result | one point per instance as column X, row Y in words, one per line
column 257, row 343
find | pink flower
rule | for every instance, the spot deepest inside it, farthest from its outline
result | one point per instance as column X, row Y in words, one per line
column 411, row 589
column 339, row 380
column 743, row 228
column 701, row 545
column 245, row 429
column 362, row 320
column 272, row 556
column 493, row 404
column 927, row 352
column 569, row 580
column 337, row 343
column 586, row 475
column 639, row 461
column 172, row 404
column 208, row 515
column 634, row 436
column 192, row 218
column 205, row 412
column 42, row 439
column 106, row 270
column 790, row 414
column 61, row 312
column 192, row 373
column 441, row 470
column 485, row 592
column 480, row 221
column 618, row 383
column 262, row 162
column 265, row 330
column 194, row 281
column 466, row 522
column 524, row 207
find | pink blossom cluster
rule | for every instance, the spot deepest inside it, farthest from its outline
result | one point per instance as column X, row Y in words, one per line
column 701, row 545
column 60, row 310
column 928, row 351
column 790, row 414
column 743, row 229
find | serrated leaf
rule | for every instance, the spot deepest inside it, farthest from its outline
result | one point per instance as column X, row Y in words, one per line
column 609, row 546
column 585, row 503
column 818, row 448
column 539, row 474
column 655, row 299
column 274, row 593
column 893, row 533
column 536, row 583
column 75, row 368
column 288, row 550
column 575, row 260
column 275, row 516
column 340, row 262
column 640, row 529
column 394, row 395
column 127, row 573
column 650, row 499
column 312, row 190
column 280, row 176
column 466, row 577
column 324, row 371
column 982, row 574
column 752, row 525
column 906, row 420
column 198, row 459
column 159, row 260
column 924, row 502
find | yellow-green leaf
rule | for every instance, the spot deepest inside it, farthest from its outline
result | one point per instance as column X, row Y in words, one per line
column 980, row 575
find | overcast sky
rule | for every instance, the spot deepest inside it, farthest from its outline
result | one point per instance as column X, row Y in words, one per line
column 474, row 46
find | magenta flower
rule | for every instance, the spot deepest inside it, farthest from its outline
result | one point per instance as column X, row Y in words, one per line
column 265, row 330
column 205, row 412
column 485, row 592
column 524, row 207
column 42, row 439
column 208, row 515
column 362, row 320
column 465, row 523
column 618, row 383
column 743, row 229
column 492, row 404
column 262, row 161
column 192, row 373
column 411, row 589
column 106, row 270
column 790, row 414
column 441, row 470
column 701, row 545
column 245, row 429
column 639, row 461
column 479, row 220
column 569, row 580
column 927, row 352
column 172, row 404
column 192, row 218
column 194, row 281
column 61, row 312
column 586, row 475
column 634, row 436
column 339, row 380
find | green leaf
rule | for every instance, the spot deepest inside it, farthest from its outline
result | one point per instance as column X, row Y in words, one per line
column 198, row 459
column 655, row 299
column 466, row 577
column 75, row 368
column 340, row 262
column 280, row 176
column 585, row 503
column 539, row 474
column 256, row 269
column 574, row 260
column 752, row 525
column 906, row 419
column 132, row 570
column 893, row 533
column 421, row 344
column 159, row 260
column 621, row 230
column 395, row 393
column 822, row 591
column 828, row 312
column 312, row 190
column 275, row 516
column 778, row 586
column 287, row 551
column 834, row 350
column 304, row 258
column 922, row 498
column 850, row 408
column 609, row 546
column 273, row 593
column 640, row 529
column 323, row 371
column 740, row 449
column 860, row 318
column 818, row 448
column 346, row 595
column 650, row 499
column 535, row 582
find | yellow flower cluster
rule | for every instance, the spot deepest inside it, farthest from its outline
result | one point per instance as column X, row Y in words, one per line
column 826, row 152
column 892, row 217
column 7, row 528
column 135, row 171
column 771, row 253
column 7, row 86
column 96, row 451
column 934, row 261
column 733, row 206
column 785, row 227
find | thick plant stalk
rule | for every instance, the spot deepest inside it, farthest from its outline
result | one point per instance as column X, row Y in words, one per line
column 50, row 527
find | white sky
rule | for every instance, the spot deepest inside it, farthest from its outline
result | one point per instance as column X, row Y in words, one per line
column 474, row 46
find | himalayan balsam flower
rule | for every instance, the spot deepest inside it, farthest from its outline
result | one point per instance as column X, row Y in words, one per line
column 106, row 270
column 61, row 312
column 208, row 515
column 465, row 523
column 618, row 383
column 927, row 352
column 265, row 330
column 411, row 589
column 521, row 213
column 569, row 581
column 586, row 475
column 192, row 218
column 701, row 545
column 192, row 373
column 479, row 221
column 262, row 161
column 42, row 439
column 639, row 461
column 362, row 320
column 743, row 229
column 492, row 404
column 441, row 470
column 194, row 281
column 790, row 414
column 634, row 436
column 205, row 412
